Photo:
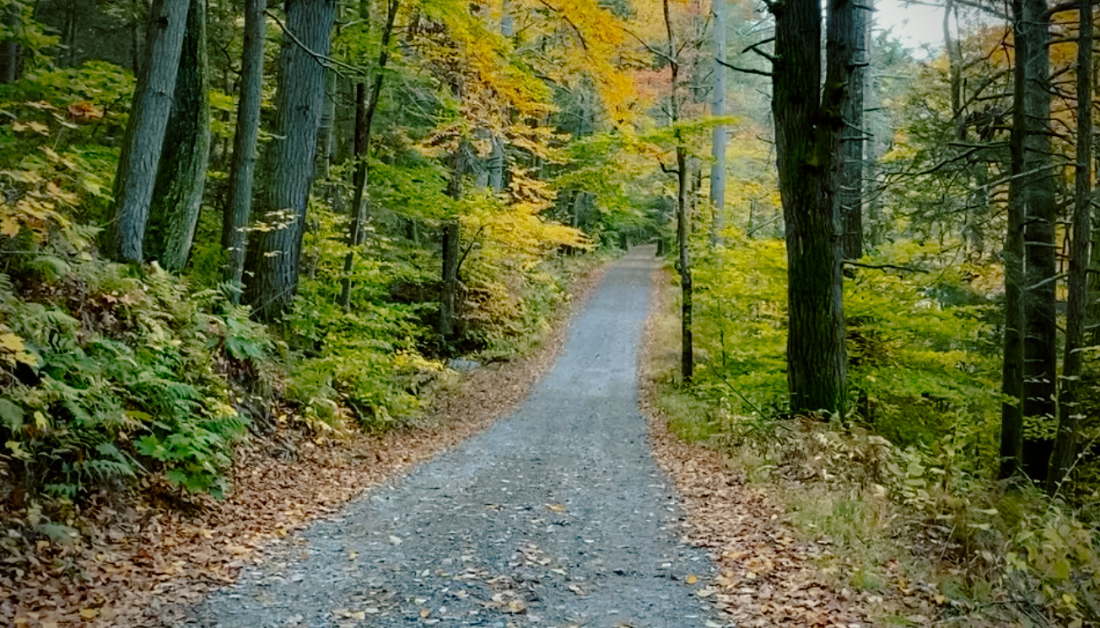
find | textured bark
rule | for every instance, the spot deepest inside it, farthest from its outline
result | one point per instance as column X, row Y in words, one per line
column 364, row 116
column 849, row 191
column 242, row 172
column 181, row 175
column 720, row 135
column 141, row 146
column 1040, row 341
column 1069, row 412
column 1012, row 375
column 808, row 128
column 273, row 255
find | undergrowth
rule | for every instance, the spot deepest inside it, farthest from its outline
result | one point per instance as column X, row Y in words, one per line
column 903, row 489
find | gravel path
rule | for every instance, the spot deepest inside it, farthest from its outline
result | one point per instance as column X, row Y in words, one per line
column 556, row 516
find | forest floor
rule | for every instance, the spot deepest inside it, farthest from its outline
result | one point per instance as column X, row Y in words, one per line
column 577, row 509
column 145, row 562
column 767, row 575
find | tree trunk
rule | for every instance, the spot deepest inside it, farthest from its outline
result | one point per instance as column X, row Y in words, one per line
column 808, row 128
column 719, row 135
column 364, row 115
column 1040, row 329
column 683, row 214
column 245, row 138
column 327, row 134
column 849, row 190
column 141, row 146
column 1069, row 412
column 273, row 259
column 181, row 175
column 135, row 37
column 683, row 218
column 11, row 52
column 874, row 144
column 452, row 241
column 1012, row 375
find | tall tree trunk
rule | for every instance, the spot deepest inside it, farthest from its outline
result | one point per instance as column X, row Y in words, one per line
column 1040, row 329
column 141, row 146
column 451, row 244
column 683, row 232
column 1069, row 411
column 245, row 139
column 683, row 214
column 181, row 175
column 452, row 231
column 874, row 144
column 1012, row 375
column 808, row 128
column 849, row 190
column 363, row 119
column 719, row 135
column 274, row 255
column 327, row 135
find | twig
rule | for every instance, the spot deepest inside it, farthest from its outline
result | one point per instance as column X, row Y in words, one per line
column 911, row 269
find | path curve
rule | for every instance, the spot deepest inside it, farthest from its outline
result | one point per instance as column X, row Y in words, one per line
column 555, row 516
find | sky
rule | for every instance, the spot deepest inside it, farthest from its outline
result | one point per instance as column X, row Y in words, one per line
column 916, row 25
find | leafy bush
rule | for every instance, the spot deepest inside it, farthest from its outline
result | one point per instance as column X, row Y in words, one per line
column 115, row 376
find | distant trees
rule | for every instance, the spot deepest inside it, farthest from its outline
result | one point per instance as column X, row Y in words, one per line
column 720, row 134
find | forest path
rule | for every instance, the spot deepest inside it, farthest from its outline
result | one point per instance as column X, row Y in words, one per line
column 556, row 516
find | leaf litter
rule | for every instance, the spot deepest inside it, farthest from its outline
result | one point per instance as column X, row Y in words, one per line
column 767, row 577
column 142, row 562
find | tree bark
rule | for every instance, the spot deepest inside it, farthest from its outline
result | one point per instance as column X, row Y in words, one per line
column 1040, row 329
column 1069, row 412
column 683, row 213
column 364, row 115
column 242, row 171
column 808, row 127
column 181, row 175
column 144, row 139
column 1012, row 375
column 452, row 231
column 849, row 191
column 719, row 135
column 274, row 255
column 11, row 52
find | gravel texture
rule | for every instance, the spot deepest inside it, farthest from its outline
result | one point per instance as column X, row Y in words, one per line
column 555, row 516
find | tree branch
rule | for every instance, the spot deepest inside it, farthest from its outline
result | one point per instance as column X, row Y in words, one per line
column 909, row 269
column 740, row 69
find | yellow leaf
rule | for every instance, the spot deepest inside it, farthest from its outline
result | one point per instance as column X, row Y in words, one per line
column 11, row 342
column 692, row 579
column 89, row 613
column 9, row 226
